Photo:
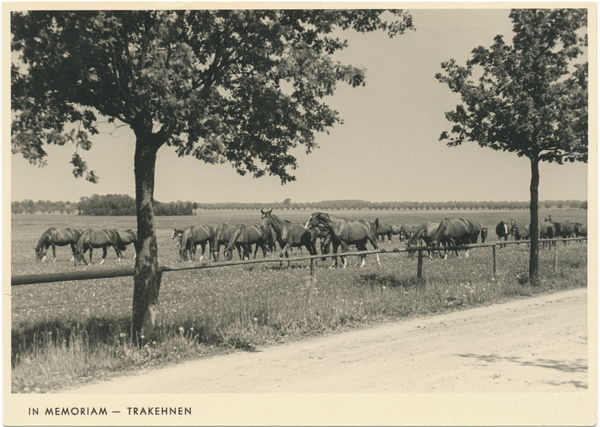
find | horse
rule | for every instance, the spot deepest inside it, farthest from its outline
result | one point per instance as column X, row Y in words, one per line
column 94, row 239
column 484, row 234
column 347, row 232
column 384, row 230
column 245, row 236
column 423, row 233
column 289, row 235
column 127, row 237
column 580, row 229
column 564, row 230
column 503, row 230
column 56, row 237
column 458, row 231
column 223, row 234
column 547, row 231
column 399, row 231
column 194, row 236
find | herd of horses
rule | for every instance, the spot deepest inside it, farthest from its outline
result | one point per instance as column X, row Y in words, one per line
column 332, row 232
column 82, row 241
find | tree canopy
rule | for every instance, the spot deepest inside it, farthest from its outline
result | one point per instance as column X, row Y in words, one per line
column 242, row 86
column 238, row 86
column 531, row 97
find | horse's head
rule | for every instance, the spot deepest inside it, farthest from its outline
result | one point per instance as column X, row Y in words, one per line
column 484, row 233
column 228, row 253
column 39, row 253
column 267, row 219
column 78, row 257
column 314, row 221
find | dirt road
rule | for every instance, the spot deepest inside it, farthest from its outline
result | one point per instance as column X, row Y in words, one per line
column 533, row 345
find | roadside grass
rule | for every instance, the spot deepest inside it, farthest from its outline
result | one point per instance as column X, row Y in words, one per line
column 69, row 333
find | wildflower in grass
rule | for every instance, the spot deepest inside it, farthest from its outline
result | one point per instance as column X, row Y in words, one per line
column 181, row 330
column 122, row 335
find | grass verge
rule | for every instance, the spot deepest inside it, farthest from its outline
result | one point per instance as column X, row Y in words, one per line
column 71, row 333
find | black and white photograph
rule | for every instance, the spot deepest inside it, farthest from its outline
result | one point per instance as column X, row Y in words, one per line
column 300, row 214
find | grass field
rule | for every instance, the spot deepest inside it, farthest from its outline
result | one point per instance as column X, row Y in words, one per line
column 71, row 332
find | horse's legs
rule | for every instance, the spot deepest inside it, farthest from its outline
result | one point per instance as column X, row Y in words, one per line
column 73, row 251
column 117, row 251
column 104, row 253
column 203, row 245
column 53, row 252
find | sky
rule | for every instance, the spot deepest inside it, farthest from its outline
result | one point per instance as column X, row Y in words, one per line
column 386, row 150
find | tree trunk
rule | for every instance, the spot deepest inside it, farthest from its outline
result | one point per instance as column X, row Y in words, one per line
column 534, row 229
column 146, row 280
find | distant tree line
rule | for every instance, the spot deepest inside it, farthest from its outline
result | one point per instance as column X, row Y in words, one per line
column 406, row 206
column 96, row 205
column 122, row 204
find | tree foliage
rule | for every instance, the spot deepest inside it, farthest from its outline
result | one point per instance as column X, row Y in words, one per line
column 531, row 97
column 238, row 86
column 242, row 86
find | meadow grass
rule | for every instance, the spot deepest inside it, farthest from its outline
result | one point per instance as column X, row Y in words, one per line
column 68, row 333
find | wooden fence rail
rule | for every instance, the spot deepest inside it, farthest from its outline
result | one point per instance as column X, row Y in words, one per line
column 124, row 272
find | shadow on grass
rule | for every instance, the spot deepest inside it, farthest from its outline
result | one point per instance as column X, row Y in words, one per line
column 388, row 280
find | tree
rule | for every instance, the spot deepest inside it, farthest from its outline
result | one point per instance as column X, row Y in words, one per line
column 238, row 86
column 531, row 97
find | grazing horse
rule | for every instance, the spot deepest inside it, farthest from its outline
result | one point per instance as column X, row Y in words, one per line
column 399, row 231
column 564, row 230
column 245, row 236
column 458, row 231
column 503, row 230
column 56, row 237
column 127, row 237
column 194, row 236
column 94, row 239
column 422, row 234
column 547, row 231
column 347, row 232
column 384, row 230
column 579, row 229
column 223, row 234
column 290, row 235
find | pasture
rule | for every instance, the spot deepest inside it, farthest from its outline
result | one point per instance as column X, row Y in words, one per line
column 71, row 332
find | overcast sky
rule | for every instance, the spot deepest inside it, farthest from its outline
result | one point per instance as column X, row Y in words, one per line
column 386, row 150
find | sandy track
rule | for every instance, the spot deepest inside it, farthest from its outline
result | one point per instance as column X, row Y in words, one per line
column 533, row 345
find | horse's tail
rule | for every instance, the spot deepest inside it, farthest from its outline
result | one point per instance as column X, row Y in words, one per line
column 234, row 237
column 376, row 224
column 120, row 243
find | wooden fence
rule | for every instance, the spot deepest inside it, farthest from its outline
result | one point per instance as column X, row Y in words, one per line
column 123, row 272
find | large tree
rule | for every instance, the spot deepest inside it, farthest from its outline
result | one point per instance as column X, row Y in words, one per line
column 531, row 97
column 239, row 86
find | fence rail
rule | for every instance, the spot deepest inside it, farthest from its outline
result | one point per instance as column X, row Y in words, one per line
column 31, row 279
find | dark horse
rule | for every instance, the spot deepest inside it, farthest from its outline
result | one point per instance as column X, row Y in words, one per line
column 347, row 232
column 503, row 230
column 127, row 237
column 424, row 232
column 458, row 231
column 484, row 234
column 384, row 230
column 247, row 235
column 223, row 234
column 194, row 236
column 56, row 237
column 290, row 235
column 94, row 239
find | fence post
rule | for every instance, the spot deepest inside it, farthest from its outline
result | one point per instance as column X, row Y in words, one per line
column 494, row 255
column 420, row 265
column 556, row 255
column 313, row 270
